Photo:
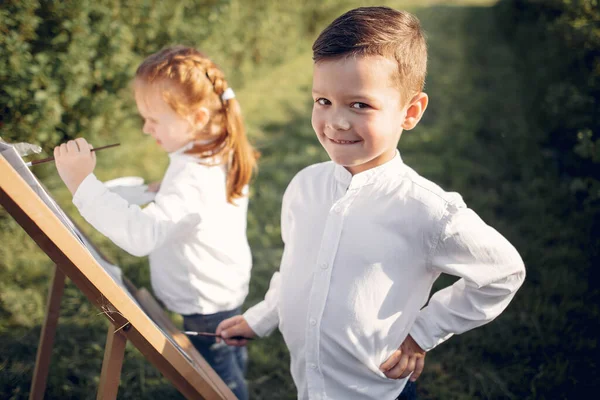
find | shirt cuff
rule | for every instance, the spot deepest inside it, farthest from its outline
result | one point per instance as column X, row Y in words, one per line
column 262, row 320
column 89, row 189
column 426, row 336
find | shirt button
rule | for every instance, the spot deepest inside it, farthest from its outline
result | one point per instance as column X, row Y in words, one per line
column 337, row 209
column 324, row 266
column 313, row 321
column 313, row 366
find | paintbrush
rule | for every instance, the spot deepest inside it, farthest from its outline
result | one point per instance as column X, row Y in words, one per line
column 43, row 160
column 192, row 333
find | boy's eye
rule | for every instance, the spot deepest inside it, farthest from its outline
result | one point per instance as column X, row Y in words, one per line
column 359, row 105
column 323, row 102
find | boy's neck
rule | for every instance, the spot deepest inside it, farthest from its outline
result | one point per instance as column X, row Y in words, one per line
column 384, row 159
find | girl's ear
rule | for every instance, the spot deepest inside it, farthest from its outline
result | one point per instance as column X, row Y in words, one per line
column 200, row 118
column 415, row 110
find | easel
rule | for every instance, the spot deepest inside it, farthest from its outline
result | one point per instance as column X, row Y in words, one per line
column 188, row 372
column 44, row 351
column 113, row 352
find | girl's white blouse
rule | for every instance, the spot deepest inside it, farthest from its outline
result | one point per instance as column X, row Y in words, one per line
column 196, row 241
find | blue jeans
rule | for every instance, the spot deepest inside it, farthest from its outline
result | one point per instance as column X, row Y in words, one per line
column 409, row 392
column 228, row 362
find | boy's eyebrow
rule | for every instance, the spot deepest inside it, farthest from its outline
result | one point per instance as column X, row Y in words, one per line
column 359, row 96
column 353, row 96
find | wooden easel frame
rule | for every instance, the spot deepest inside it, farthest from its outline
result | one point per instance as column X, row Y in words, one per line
column 191, row 375
column 44, row 351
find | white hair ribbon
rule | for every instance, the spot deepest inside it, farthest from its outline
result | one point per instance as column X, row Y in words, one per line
column 227, row 94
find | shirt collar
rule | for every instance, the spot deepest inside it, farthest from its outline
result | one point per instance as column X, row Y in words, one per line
column 181, row 150
column 343, row 176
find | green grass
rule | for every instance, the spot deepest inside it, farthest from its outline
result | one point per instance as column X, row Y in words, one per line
column 474, row 139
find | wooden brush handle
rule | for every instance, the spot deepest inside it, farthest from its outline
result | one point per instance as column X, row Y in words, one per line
column 44, row 160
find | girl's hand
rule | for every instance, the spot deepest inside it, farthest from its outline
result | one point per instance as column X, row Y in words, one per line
column 153, row 187
column 409, row 358
column 234, row 326
column 74, row 162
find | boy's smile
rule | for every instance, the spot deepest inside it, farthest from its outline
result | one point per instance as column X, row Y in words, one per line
column 345, row 141
column 358, row 113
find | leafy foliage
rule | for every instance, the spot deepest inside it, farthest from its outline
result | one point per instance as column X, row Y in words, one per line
column 65, row 66
column 559, row 44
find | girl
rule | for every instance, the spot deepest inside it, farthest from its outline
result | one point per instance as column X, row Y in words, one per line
column 195, row 230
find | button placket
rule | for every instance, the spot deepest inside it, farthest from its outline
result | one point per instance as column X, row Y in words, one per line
column 318, row 296
column 320, row 287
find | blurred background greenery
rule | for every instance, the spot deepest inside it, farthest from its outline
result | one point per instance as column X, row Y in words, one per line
column 512, row 125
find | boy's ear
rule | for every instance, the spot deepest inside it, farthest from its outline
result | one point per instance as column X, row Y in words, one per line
column 415, row 110
column 201, row 117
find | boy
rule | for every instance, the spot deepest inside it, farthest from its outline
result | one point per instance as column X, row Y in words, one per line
column 366, row 236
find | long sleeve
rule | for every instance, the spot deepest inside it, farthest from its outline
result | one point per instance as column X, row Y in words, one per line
column 263, row 318
column 490, row 269
column 138, row 231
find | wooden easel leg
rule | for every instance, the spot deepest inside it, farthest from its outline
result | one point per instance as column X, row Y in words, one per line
column 44, row 351
column 112, row 363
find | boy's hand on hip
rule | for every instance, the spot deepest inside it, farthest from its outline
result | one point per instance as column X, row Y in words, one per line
column 409, row 358
column 74, row 161
column 234, row 326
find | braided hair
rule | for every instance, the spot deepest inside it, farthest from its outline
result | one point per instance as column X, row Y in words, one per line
column 188, row 80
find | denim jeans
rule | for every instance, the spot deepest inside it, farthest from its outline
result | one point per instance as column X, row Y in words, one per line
column 409, row 392
column 227, row 361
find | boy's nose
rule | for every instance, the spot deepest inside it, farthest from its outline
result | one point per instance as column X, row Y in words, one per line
column 339, row 123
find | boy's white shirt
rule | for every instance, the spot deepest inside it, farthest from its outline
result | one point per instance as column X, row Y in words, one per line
column 361, row 255
column 199, row 255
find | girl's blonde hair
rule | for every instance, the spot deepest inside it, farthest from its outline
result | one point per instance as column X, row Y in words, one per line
column 188, row 80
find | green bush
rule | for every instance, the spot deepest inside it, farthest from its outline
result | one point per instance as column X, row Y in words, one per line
column 558, row 42
column 65, row 66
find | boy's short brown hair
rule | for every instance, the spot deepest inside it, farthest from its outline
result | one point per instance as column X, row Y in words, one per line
column 383, row 31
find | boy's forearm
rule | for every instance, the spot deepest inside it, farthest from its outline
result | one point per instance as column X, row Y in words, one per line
column 263, row 318
column 462, row 307
column 491, row 270
column 263, row 324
